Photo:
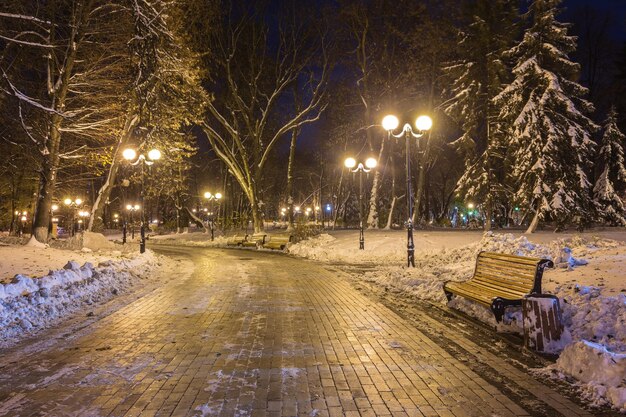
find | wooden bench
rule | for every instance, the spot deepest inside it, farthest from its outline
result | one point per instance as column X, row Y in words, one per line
column 256, row 240
column 500, row 280
column 277, row 241
column 237, row 240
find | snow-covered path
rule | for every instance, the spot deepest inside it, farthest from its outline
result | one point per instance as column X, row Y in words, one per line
column 253, row 333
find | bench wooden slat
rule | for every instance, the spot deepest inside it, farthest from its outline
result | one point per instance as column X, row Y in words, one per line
column 500, row 280
column 491, row 263
column 488, row 290
column 494, row 286
column 507, row 272
column 277, row 241
column 510, row 258
column 256, row 239
column 236, row 240
column 510, row 282
column 486, row 298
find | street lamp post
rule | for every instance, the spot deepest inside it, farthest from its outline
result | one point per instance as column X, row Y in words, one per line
column 423, row 124
column 130, row 155
column 23, row 219
column 131, row 208
column 74, row 205
column 351, row 163
column 53, row 221
column 82, row 215
column 212, row 198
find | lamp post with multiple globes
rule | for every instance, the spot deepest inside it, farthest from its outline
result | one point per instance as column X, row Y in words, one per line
column 213, row 198
column 74, row 205
column 422, row 124
column 370, row 163
column 131, row 209
column 131, row 156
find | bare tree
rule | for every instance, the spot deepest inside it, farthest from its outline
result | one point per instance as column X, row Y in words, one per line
column 245, row 121
column 69, row 105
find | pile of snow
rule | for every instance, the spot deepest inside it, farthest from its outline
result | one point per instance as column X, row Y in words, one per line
column 34, row 243
column 30, row 304
column 587, row 279
column 599, row 373
column 96, row 242
column 190, row 239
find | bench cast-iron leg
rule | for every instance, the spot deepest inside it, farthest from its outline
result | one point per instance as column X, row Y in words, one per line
column 497, row 307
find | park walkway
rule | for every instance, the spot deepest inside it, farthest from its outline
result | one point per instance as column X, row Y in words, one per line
column 258, row 334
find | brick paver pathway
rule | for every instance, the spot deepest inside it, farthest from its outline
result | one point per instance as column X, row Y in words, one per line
column 256, row 334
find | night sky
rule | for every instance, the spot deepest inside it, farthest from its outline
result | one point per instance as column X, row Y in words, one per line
column 617, row 8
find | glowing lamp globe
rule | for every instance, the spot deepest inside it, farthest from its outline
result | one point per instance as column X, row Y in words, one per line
column 129, row 154
column 370, row 163
column 390, row 122
column 350, row 163
column 218, row 195
column 423, row 123
column 154, row 154
column 78, row 201
column 208, row 195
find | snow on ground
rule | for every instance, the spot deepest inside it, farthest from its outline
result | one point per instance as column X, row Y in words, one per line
column 41, row 286
column 589, row 279
column 35, row 262
column 190, row 239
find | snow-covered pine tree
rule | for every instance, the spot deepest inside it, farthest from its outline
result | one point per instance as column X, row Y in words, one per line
column 476, row 78
column 612, row 179
column 543, row 116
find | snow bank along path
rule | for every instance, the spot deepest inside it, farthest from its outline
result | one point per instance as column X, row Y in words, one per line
column 591, row 290
column 30, row 304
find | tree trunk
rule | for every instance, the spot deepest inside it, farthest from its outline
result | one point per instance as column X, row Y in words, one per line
column 47, row 182
column 488, row 214
column 422, row 163
column 372, row 217
column 196, row 219
column 394, row 198
column 257, row 219
column 391, row 209
column 533, row 224
column 178, row 209
column 51, row 148
column 292, row 155
column 97, row 210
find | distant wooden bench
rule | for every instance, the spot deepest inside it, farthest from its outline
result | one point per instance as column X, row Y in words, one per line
column 255, row 240
column 500, row 280
column 277, row 241
column 237, row 240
